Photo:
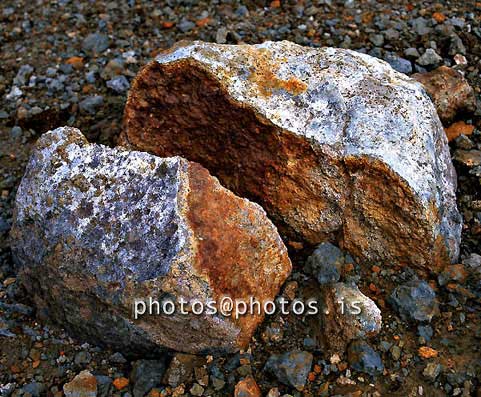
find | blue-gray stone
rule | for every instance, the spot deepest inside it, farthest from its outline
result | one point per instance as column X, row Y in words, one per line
column 414, row 300
column 290, row 368
column 364, row 358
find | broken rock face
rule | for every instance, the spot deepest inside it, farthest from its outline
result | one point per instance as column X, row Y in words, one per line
column 334, row 144
column 97, row 228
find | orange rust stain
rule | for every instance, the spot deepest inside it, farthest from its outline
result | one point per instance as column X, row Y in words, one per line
column 237, row 249
column 263, row 74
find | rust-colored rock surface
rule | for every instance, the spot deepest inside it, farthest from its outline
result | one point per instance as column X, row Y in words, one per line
column 450, row 92
column 247, row 387
column 335, row 145
column 97, row 229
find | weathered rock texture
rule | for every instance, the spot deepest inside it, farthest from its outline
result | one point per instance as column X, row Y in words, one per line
column 96, row 228
column 334, row 144
column 450, row 92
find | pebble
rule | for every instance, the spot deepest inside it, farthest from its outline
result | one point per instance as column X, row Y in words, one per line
column 432, row 371
column 104, row 385
column 16, row 132
column 119, row 84
column 325, row 263
column 35, row 389
column 145, row 375
column 414, row 300
column 23, row 75
column 14, row 94
column 117, row 358
column 197, row 390
column 290, row 368
column 95, row 43
column 400, row 64
column 364, row 358
column 83, row 385
column 247, row 387
column 429, row 58
column 473, row 261
column 185, row 25
column 82, row 358
column 91, row 104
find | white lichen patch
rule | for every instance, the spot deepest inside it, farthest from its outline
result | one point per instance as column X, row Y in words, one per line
column 117, row 209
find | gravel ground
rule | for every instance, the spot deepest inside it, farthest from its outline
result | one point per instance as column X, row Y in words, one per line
column 71, row 63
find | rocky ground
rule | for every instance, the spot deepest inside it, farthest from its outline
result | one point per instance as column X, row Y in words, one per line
column 71, row 63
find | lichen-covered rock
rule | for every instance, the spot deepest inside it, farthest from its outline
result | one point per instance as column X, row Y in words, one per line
column 97, row 228
column 334, row 144
column 346, row 314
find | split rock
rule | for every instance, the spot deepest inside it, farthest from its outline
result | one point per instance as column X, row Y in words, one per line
column 334, row 144
column 97, row 228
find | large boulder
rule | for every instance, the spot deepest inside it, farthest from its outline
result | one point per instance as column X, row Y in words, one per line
column 95, row 229
column 334, row 144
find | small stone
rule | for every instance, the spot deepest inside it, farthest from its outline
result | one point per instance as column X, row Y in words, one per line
column 16, row 132
column 377, row 39
column 185, row 25
column 470, row 158
column 104, row 384
column 181, row 369
column 120, row 383
column 290, row 368
column 325, row 263
column 83, row 385
column 450, row 91
column 196, row 390
column 427, row 352
column 221, row 35
column 426, row 332
column 119, row 84
column 217, row 384
column 91, row 104
column 82, row 358
column 145, row 375
column 473, row 261
column 400, row 64
column 347, row 314
column 457, row 129
column 396, row 352
column 415, row 300
column 23, row 75
column 95, row 43
column 247, row 387
column 412, row 52
column 463, row 142
column 432, row 371
column 274, row 392
column 14, row 94
column 364, row 358
column 117, row 358
column 429, row 58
